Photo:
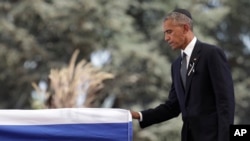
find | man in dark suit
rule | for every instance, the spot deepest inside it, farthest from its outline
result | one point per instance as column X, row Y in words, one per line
column 202, row 86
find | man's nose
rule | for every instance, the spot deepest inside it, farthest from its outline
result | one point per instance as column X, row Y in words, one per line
column 166, row 38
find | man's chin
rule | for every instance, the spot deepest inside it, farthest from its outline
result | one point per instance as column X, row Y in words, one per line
column 174, row 48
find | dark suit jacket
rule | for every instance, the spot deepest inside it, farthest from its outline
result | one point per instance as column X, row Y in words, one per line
column 207, row 104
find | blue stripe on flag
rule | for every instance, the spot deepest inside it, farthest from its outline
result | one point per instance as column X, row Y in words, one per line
column 67, row 132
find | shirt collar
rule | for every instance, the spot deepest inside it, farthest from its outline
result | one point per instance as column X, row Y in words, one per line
column 189, row 48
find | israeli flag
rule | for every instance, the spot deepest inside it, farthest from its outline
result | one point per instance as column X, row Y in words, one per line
column 67, row 124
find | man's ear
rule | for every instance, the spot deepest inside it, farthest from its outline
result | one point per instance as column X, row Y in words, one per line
column 186, row 28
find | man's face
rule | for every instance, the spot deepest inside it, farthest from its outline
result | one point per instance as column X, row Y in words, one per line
column 174, row 34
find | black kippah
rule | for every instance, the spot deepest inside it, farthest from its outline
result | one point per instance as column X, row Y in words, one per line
column 183, row 11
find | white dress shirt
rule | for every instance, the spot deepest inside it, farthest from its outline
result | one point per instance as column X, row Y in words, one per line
column 189, row 49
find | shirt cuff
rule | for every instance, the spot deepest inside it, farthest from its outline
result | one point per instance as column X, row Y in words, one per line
column 141, row 118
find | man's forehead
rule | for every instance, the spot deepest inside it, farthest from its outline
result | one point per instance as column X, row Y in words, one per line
column 169, row 22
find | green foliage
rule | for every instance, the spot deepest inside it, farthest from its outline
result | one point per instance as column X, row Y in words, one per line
column 37, row 36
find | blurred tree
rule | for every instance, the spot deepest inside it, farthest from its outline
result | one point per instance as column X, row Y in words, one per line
column 233, row 33
column 37, row 36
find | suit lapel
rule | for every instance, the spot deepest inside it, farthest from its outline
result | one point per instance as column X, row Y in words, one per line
column 179, row 81
column 191, row 67
column 178, row 84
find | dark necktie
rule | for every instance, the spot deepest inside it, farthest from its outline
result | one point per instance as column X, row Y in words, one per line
column 183, row 69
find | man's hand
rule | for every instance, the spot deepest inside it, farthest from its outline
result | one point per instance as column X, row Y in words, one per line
column 135, row 115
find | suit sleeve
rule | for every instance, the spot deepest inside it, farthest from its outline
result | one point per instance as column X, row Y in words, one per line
column 222, row 85
column 163, row 112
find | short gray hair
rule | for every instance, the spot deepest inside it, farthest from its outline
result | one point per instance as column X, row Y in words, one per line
column 180, row 19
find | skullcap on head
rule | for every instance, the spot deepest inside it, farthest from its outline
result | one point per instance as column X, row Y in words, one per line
column 183, row 11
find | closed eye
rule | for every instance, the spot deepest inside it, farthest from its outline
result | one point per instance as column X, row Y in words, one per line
column 168, row 32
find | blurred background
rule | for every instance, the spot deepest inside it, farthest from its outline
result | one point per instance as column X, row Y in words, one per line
column 111, row 54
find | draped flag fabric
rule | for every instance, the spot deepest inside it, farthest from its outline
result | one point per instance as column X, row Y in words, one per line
column 67, row 124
